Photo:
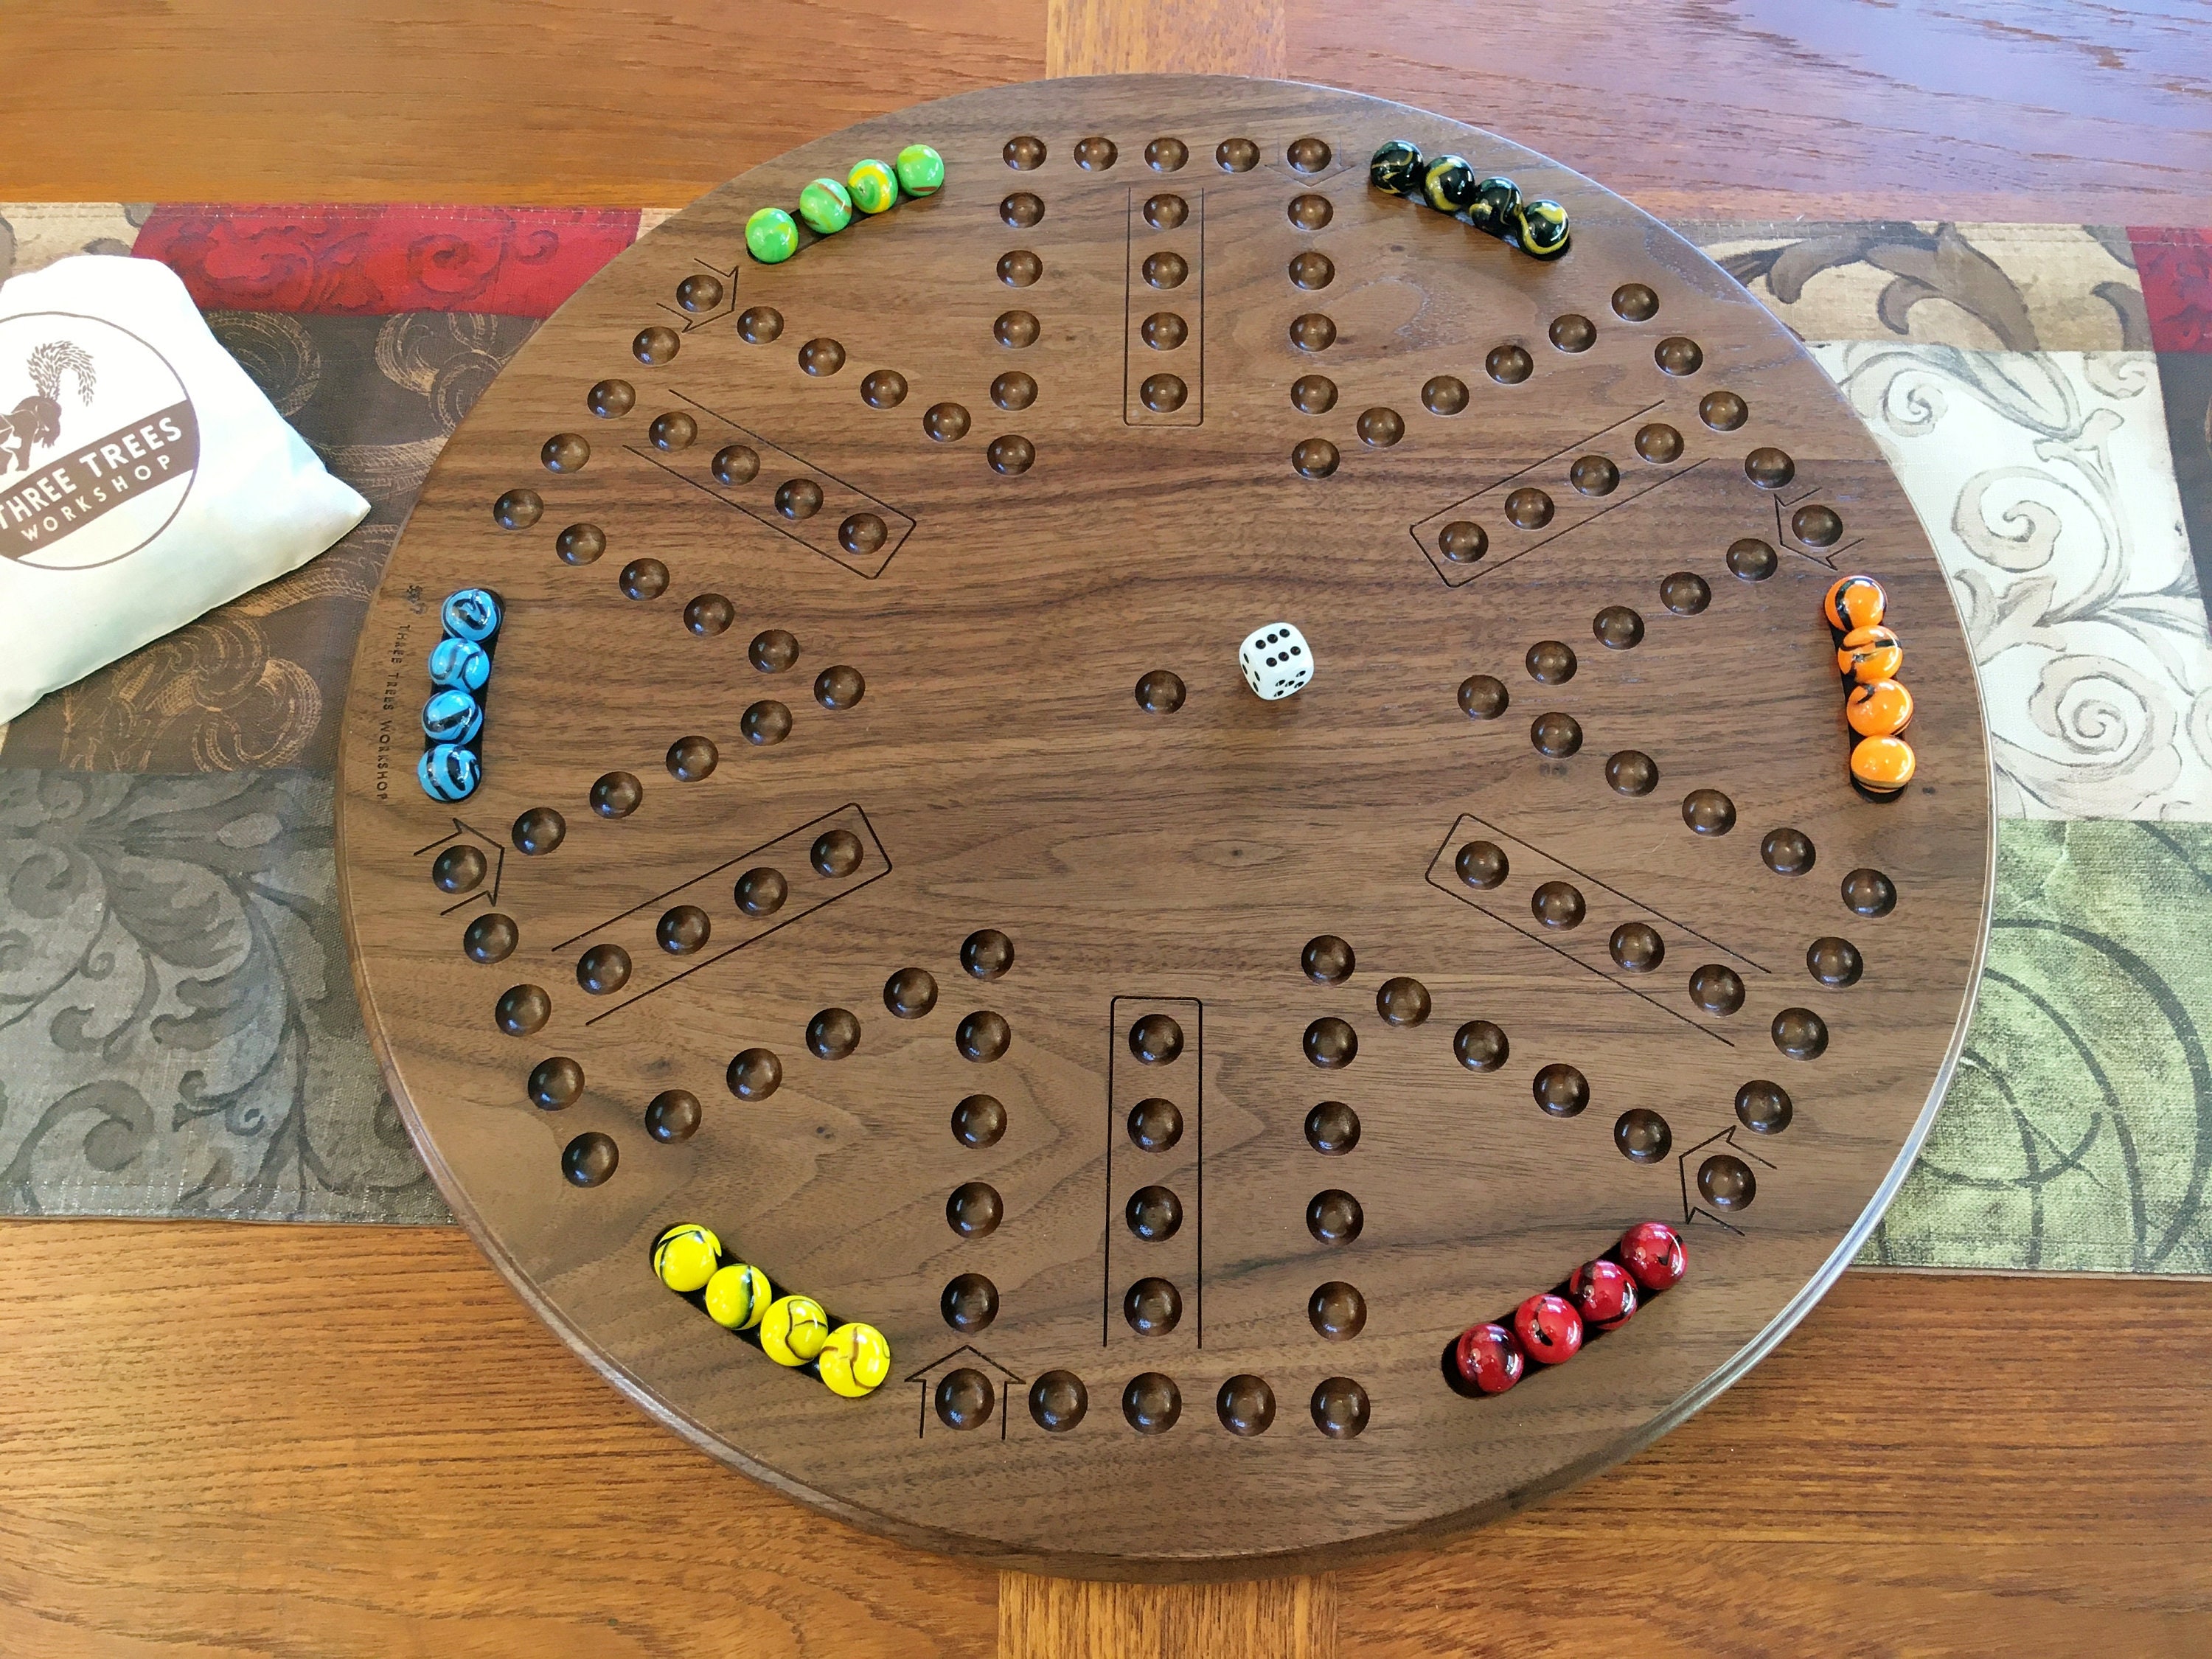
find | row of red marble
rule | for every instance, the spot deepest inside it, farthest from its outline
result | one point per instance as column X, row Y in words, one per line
column 1548, row 1328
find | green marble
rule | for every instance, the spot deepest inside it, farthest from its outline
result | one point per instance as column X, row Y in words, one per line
column 1447, row 183
column 825, row 206
column 920, row 169
column 1540, row 227
column 1496, row 201
column 1396, row 167
column 873, row 186
column 771, row 236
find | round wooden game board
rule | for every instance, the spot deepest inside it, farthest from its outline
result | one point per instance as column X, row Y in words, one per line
column 933, row 686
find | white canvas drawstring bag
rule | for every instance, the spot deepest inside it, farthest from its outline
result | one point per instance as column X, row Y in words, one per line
column 144, row 478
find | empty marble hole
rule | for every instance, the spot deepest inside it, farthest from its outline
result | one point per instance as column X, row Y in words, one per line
column 1331, row 1043
column 969, row 1302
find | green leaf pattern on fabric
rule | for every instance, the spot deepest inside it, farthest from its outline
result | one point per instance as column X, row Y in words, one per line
column 2077, row 1133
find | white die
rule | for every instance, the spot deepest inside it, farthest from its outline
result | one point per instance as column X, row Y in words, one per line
column 1276, row 659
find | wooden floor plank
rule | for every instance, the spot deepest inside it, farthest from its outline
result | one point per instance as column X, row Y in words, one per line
column 2021, row 110
column 1763, row 108
column 1927, row 1466
column 324, row 1442
column 445, row 101
column 314, row 1441
column 1064, row 1618
column 1191, row 37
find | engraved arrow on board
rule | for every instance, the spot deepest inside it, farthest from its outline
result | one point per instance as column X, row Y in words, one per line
column 490, row 895
column 1691, row 1210
column 1790, row 544
column 691, row 321
column 943, row 1359
column 922, row 1377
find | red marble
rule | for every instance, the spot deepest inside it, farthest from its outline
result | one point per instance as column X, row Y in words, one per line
column 1488, row 1357
column 1652, row 1251
column 1603, row 1293
column 1549, row 1329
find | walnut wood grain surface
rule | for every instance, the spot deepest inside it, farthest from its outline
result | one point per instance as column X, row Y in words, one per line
column 1165, row 868
column 1758, row 108
column 330, row 1443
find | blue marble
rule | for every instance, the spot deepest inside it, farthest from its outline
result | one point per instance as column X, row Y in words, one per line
column 452, row 716
column 470, row 614
column 461, row 664
column 448, row 772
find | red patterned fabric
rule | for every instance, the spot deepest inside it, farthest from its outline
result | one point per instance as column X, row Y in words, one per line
column 2176, row 268
column 377, row 258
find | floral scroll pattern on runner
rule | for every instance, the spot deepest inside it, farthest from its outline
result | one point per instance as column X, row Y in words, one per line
column 2186, row 378
column 179, row 1033
column 381, row 258
column 36, row 234
column 2045, row 481
column 1984, row 287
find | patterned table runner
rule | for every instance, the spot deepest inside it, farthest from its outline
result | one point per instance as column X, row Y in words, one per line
column 178, row 1035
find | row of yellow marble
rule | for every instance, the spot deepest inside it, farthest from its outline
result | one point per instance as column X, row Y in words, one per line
column 852, row 1360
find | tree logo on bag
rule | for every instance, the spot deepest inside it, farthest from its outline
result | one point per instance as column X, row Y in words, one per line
column 99, row 453
column 37, row 419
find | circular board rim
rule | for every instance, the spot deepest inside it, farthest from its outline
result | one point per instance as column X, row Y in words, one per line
column 370, row 667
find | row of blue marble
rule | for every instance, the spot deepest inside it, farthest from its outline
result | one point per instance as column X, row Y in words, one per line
column 460, row 669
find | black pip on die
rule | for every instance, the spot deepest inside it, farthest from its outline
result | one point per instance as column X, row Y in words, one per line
column 1276, row 659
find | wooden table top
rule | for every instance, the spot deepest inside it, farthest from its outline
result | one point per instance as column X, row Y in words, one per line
column 1756, row 111
column 298, row 1442
column 341, row 1440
